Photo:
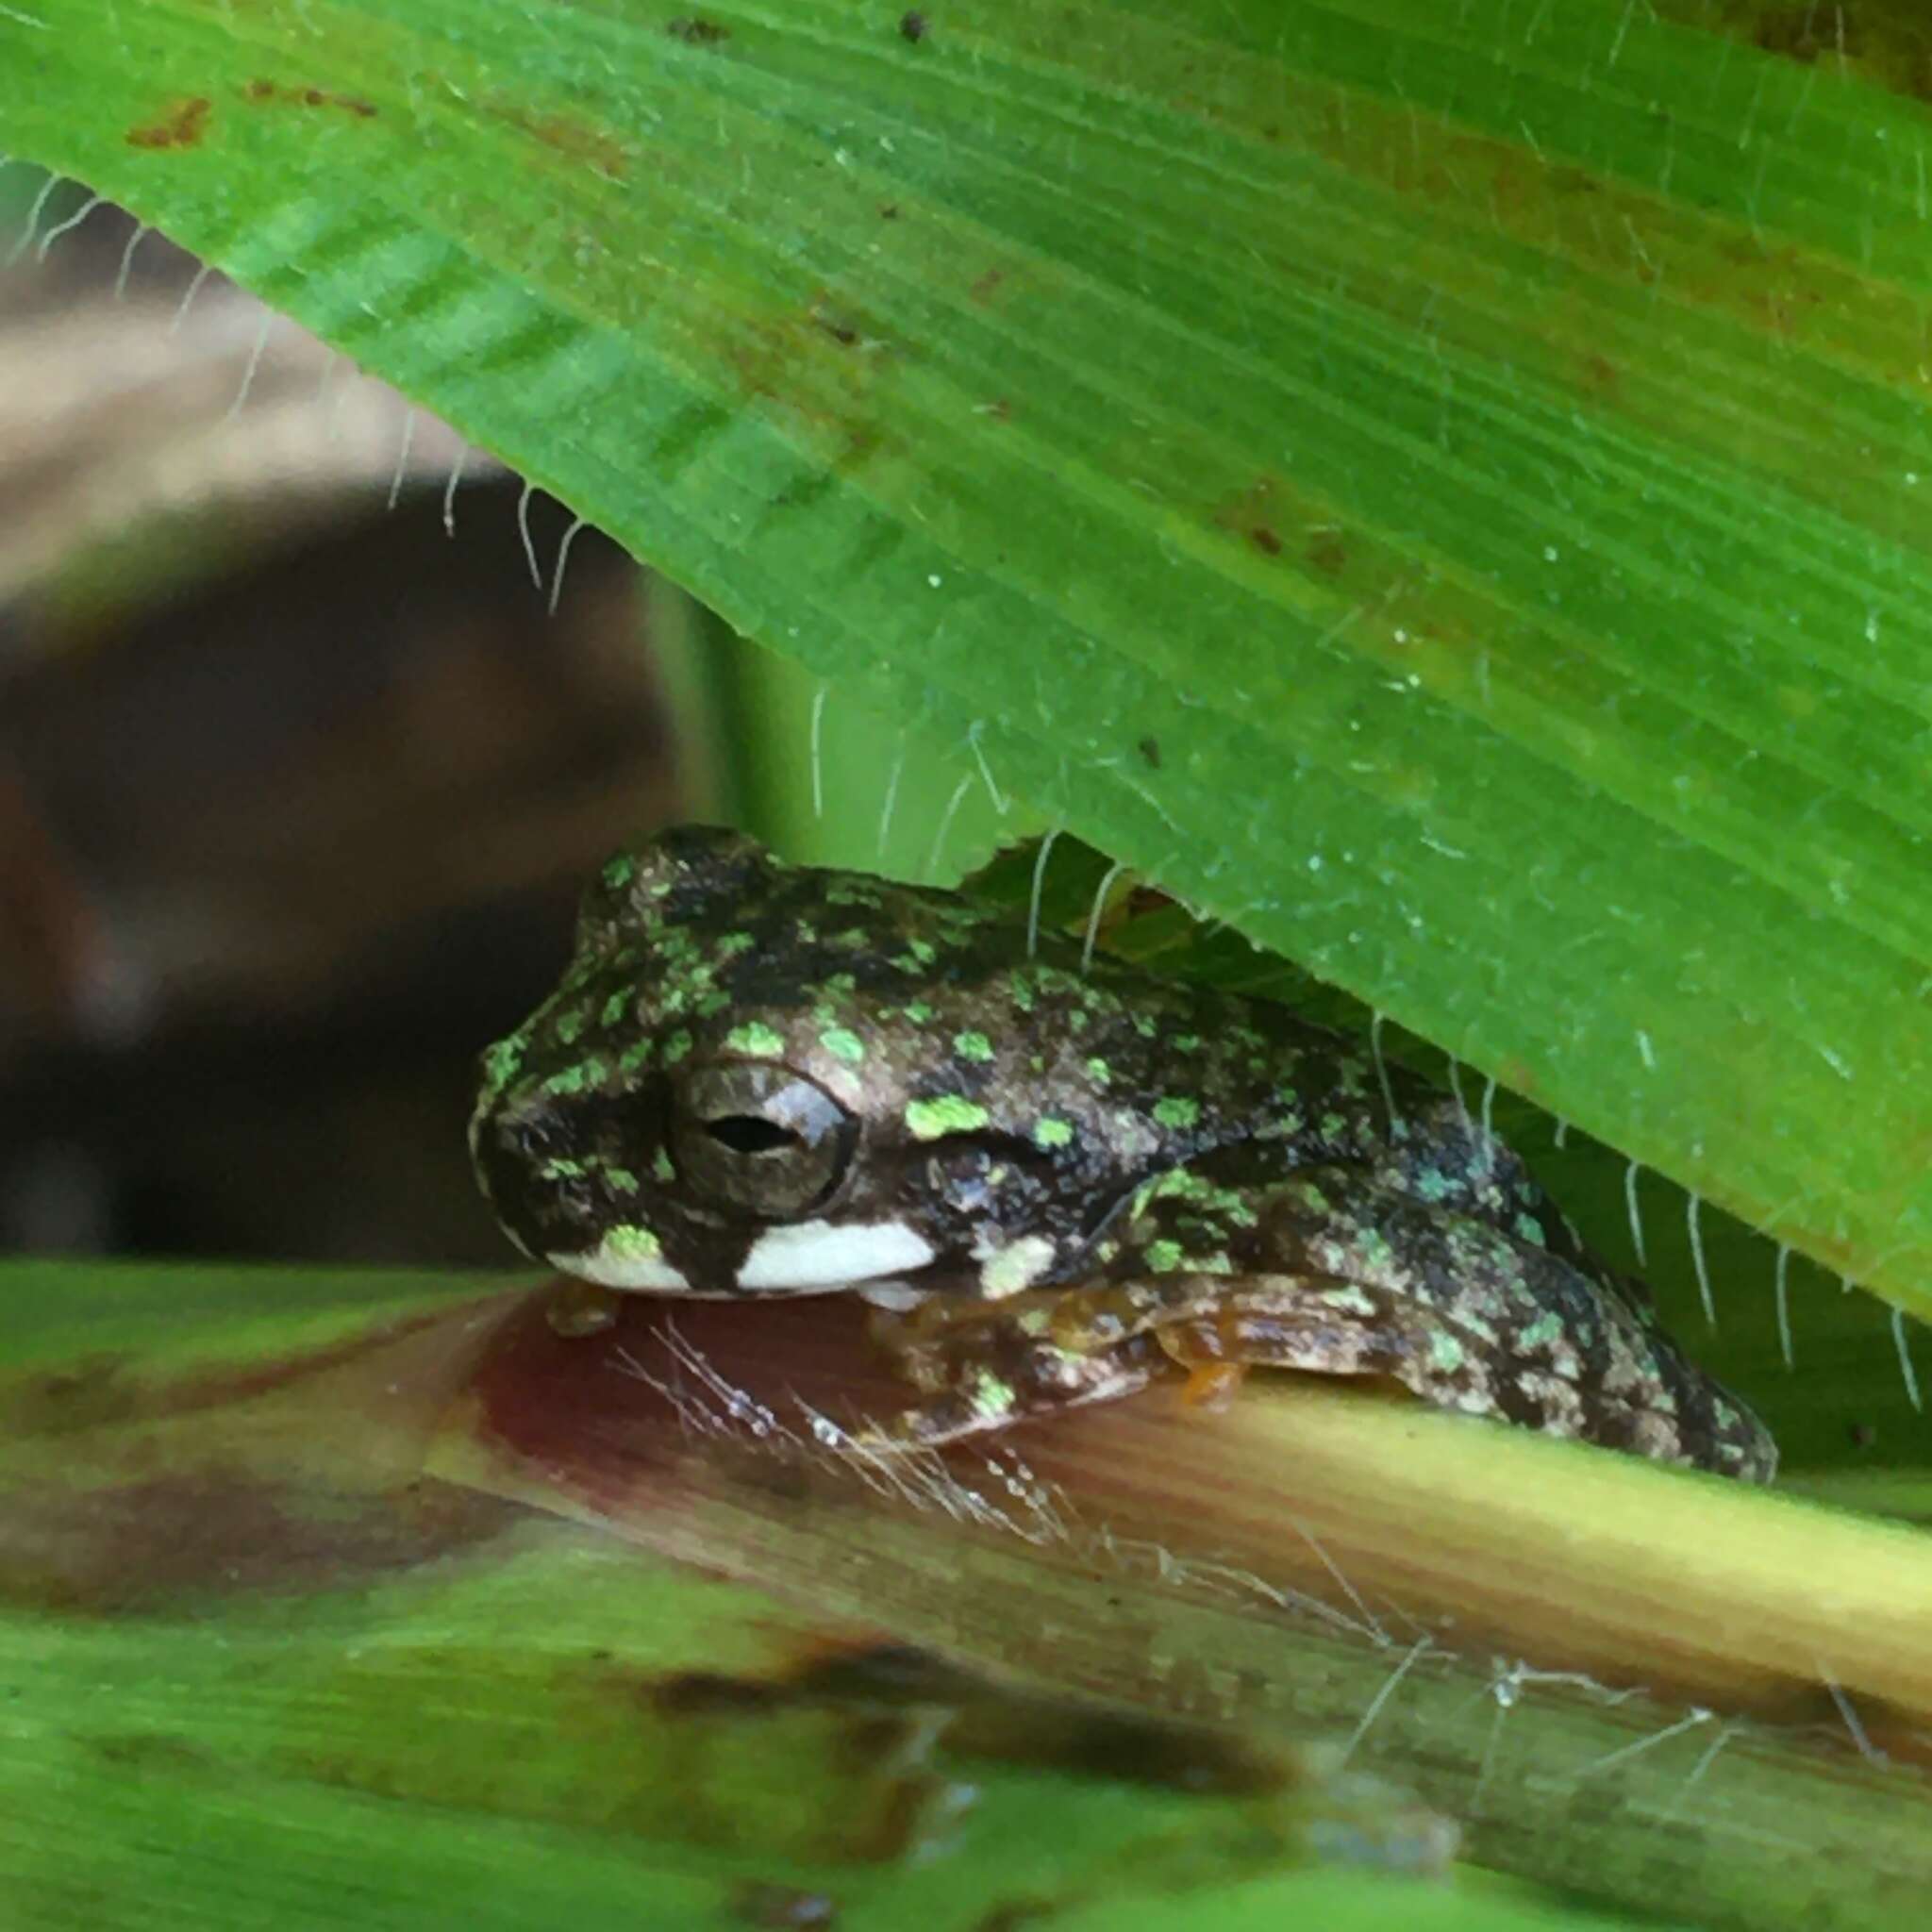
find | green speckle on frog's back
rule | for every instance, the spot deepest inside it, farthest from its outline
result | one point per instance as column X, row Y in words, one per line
column 759, row 1078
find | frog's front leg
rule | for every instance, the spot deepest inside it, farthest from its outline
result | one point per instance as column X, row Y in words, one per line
column 1331, row 1270
column 979, row 1365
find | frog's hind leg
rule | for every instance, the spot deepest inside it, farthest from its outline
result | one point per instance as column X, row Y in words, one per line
column 1333, row 1270
column 1218, row 1327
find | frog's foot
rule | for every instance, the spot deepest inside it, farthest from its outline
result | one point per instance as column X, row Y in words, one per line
column 581, row 1307
column 981, row 1366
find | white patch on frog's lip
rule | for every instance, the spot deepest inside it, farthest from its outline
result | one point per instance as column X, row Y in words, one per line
column 629, row 1273
column 807, row 1258
column 895, row 1295
column 820, row 1253
column 1017, row 1265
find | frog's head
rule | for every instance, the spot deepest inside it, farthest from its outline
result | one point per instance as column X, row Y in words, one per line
column 761, row 1078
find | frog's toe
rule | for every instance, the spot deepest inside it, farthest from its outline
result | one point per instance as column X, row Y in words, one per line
column 986, row 1399
column 1211, row 1387
column 941, row 1419
column 581, row 1307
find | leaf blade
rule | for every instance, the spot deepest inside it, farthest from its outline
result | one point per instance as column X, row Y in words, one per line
column 1235, row 398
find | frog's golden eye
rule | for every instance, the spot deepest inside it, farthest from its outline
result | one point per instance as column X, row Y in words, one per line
column 758, row 1138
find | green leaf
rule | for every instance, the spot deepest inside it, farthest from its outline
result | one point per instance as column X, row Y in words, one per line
column 1442, row 486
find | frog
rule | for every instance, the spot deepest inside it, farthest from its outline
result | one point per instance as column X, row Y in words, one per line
column 1055, row 1176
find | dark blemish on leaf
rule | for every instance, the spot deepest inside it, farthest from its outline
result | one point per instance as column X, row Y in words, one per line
column 266, row 92
column 1019, row 1913
column 141, row 1753
column 999, row 409
column 778, row 1907
column 1263, row 538
column 879, row 1754
column 912, row 26
column 1149, row 749
column 1864, row 1436
column 890, row 212
column 1328, row 551
column 1573, row 181
column 708, row 1693
column 581, row 140
column 696, row 32
column 840, row 330
column 982, row 289
column 181, row 126
column 128, row 1549
column 1014, row 1726
column 1601, row 374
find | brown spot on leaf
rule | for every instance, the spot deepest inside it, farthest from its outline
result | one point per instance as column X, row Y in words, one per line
column 982, row 289
column 581, row 139
column 710, row 1694
column 912, row 26
column 824, row 368
column 1601, row 374
column 264, row 93
column 1149, row 749
column 1328, row 551
column 1264, row 540
column 181, row 125
column 222, row 1530
column 997, row 1721
column 696, row 32
column 1016, row 1914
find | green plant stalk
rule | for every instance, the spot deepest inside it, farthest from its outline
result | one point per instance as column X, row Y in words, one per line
column 1439, row 486
column 1523, row 1632
column 828, row 783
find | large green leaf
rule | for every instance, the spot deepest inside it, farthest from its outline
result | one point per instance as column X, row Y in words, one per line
column 1443, row 486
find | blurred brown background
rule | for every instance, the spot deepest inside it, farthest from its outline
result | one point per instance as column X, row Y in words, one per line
column 296, row 789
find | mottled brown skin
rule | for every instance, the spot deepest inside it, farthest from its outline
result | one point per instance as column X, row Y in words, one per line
column 753, row 1073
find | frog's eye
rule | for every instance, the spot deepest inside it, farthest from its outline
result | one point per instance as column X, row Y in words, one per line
column 759, row 1138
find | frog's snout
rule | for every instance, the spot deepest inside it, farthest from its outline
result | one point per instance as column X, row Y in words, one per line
column 539, row 1195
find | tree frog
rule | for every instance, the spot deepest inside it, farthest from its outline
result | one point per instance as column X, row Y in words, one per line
column 1055, row 1177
